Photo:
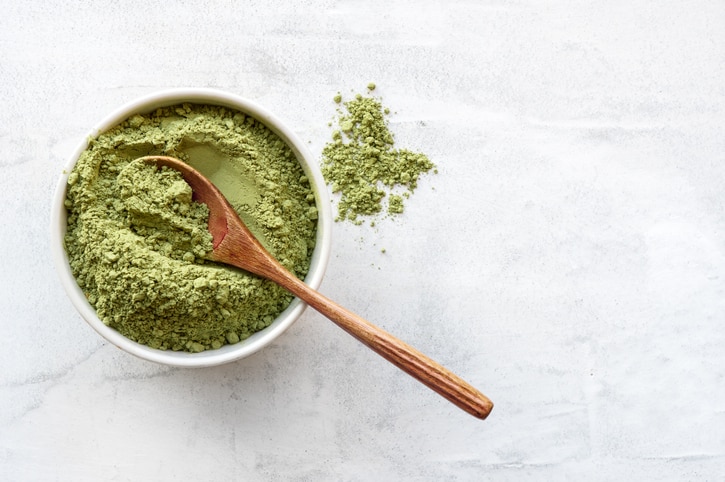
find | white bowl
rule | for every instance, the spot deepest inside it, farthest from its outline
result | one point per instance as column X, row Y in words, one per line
column 258, row 340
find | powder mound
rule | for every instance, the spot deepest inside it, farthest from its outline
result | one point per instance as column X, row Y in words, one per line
column 136, row 241
column 363, row 165
column 160, row 209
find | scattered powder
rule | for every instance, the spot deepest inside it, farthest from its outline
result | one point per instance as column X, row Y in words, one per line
column 136, row 241
column 362, row 164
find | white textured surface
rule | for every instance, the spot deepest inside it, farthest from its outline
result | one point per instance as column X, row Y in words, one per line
column 568, row 259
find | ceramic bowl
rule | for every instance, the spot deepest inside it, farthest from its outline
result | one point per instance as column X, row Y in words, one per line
column 258, row 340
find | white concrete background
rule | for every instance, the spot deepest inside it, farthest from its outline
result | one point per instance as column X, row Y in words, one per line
column 568, row 258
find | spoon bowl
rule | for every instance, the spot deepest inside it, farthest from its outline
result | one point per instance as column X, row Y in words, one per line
column 235, row 245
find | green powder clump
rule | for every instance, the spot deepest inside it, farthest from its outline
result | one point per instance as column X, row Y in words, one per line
column 395, row 204
column 363, row 165
column 136, row 241
column 160, row 209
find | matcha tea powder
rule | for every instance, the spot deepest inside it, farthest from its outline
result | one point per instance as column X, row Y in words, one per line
column 362, row 164
column 137, row 242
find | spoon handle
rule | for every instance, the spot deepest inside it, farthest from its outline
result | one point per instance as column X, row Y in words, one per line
column 399, row 353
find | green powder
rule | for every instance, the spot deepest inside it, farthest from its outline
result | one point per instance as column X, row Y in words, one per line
column 136, row 241
column 362, row 164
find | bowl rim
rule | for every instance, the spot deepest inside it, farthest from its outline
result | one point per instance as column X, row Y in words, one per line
column 318, row 264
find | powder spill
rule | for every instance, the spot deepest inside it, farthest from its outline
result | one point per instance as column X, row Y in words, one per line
column 362, row 164
column 136, row 241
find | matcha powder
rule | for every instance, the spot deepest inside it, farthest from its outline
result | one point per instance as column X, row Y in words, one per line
column 136, row 240
column 362, row 164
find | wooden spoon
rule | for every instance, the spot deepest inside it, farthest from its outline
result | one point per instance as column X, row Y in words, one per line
column 234, row 244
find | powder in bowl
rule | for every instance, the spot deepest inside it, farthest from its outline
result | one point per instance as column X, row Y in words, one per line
column 134, row 239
